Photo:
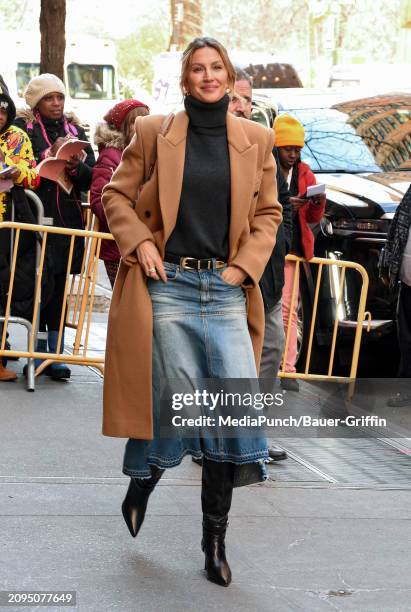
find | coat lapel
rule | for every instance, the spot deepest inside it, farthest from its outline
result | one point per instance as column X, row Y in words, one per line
column 171, row 150
column 243, row 167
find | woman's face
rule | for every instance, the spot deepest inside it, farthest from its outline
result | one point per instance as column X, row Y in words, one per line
column 207, row 78
column 52, row 106
column 3, row 117
column 288, row 156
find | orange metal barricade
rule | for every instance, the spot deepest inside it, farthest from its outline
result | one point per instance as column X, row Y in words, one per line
column 339, row 267
column 78, row 299
column 80, row 291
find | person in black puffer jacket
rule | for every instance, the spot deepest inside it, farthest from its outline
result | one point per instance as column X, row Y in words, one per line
column 47, row 125
column 395, row 270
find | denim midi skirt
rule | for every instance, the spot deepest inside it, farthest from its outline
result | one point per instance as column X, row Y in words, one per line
column 199, row 332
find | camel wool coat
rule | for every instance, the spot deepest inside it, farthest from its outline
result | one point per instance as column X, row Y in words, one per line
column 150, row 213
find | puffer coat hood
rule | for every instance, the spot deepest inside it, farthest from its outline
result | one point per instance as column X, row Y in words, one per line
column 7, row 103
column 105, row 136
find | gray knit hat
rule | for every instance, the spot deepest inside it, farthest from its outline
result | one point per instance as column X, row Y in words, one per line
column 40, row 86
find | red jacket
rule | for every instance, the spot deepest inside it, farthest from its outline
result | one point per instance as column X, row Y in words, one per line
column 107, row 162
column 309, row 212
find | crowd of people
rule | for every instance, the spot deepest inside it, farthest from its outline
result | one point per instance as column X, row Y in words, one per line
column 204, row 206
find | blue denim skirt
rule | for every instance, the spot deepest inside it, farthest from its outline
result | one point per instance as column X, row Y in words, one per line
column 199, row 332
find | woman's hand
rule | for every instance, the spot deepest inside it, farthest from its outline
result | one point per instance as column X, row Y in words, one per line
column 72, row 164
column 296, row 203
column 150, row 260
column 320, row 199
column 56, row 145
column 13, row 174
column 233, row 276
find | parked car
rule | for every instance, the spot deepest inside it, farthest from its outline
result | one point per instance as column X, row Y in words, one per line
column 273, row 74
column 361, row 149
column 268, row 71
column 389, row 76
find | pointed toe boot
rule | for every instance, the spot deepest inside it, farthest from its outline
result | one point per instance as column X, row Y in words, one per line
column 135, row 503
column 213, row 545
column 216, row 495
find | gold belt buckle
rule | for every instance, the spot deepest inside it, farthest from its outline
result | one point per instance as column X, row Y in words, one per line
column 185, row 265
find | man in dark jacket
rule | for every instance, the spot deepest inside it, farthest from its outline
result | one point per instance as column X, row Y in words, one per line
column 396, row 265
column 272, row 280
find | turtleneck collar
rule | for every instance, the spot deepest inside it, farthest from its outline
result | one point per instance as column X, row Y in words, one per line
column 204, row 114
column 53, row 123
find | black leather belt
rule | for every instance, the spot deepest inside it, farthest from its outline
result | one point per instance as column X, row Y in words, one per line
column 190, row 263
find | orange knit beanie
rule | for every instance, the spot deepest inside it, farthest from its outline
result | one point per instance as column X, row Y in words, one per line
column 289, row 132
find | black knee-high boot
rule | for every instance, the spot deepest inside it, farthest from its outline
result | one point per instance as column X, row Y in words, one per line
column 135, row 503
column 216, row 495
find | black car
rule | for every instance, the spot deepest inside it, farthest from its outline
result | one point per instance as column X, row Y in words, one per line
column 274, row 74
column 361, row 150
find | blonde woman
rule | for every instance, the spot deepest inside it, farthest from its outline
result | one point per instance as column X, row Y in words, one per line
column 186, row 303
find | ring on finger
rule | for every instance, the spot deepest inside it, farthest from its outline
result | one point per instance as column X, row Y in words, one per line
column 152, row 270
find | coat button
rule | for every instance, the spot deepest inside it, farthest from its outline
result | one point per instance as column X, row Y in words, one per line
column 147, row 214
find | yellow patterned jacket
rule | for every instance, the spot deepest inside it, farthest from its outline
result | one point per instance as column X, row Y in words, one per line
column 16, row 150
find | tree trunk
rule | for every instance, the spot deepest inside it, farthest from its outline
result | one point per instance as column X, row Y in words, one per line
column 53, row 38
column 186, row 22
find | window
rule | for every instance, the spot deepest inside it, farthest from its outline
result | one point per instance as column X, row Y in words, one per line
column 91, row 81
column 24, row 73
column 332, row 144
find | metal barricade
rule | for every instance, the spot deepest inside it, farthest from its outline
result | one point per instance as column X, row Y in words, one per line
column 79, row 294
column 31, row 326
column 339, row 267
column 84, row 295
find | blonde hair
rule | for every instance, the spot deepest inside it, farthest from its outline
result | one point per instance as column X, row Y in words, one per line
column 201, row 43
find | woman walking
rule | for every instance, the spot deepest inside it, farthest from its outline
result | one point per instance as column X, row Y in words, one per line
column 111, row 138
column 186, row 304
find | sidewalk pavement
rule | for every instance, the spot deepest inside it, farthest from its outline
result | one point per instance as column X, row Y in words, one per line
column 298, row 542
column 292, row 545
